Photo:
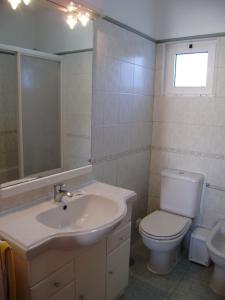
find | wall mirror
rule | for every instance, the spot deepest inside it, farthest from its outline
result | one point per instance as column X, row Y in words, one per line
column 45, row 89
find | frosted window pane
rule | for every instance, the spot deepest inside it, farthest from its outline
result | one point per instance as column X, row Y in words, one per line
column 191, row 70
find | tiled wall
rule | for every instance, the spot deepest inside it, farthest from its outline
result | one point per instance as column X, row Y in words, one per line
column 123, row 79
column 189, row 134
column 77, row 98
column 8, row 118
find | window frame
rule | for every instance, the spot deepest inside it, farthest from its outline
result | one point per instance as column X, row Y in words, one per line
column 172, row 50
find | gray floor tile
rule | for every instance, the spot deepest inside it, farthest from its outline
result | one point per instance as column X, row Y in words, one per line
column 139, row 290
column 188, row 281
column 194, row 290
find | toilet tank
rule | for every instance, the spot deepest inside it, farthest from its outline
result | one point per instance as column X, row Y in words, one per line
column 181, row 192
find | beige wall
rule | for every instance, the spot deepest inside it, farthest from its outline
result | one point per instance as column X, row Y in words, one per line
column 189, row 134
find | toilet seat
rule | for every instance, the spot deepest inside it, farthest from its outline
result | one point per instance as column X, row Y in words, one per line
column 161, row 225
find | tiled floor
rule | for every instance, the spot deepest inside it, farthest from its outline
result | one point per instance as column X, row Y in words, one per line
column 188, row 281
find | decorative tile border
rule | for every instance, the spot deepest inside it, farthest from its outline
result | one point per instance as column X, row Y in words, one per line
column 71, row 135
column 189, row 152
column 129, row 28
column 215, row 187
column 196, row 154
column 119, row 155
column 195, row 37
column 9, row 169
column 8, row 132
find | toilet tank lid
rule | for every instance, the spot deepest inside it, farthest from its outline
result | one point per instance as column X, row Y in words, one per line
column 183, row 175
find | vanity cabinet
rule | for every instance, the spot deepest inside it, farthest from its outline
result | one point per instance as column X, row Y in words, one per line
column 67, row 293
column 90, row 273
column 118, row 271
column 98, row 272
column 118, row 256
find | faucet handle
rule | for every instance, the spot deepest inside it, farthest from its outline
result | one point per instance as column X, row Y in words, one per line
column 61, row 184
column 58, row 187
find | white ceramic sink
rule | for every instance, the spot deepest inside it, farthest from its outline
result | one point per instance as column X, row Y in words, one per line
column 84, row 213
column 88, row 218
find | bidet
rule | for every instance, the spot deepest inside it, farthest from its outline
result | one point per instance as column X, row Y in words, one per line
column 216, row 247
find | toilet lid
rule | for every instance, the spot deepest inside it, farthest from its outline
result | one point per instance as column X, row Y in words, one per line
column 164, row 224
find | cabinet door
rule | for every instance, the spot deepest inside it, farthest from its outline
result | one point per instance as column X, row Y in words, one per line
column 91, row 269
column 118, row 271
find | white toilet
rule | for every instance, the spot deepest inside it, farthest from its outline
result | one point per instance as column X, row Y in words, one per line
column 162, row 231
column 216, row 248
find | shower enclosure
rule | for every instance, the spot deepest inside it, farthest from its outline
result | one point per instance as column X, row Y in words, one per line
column 30, row 115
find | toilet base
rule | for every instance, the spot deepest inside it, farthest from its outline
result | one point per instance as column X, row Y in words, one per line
column 162, row 263
column 218, row 280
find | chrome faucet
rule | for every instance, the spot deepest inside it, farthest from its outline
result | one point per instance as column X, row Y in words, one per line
column 60, row 192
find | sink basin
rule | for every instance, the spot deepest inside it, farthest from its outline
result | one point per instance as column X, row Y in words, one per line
column 86, row 219
column 90, row 216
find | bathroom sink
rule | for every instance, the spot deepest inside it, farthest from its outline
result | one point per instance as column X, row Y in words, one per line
column 86, row 219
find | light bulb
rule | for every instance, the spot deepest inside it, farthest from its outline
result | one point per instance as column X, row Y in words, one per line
column 71, row 7
column 14, row 3
column 71, row 21
column 26, row 2
column 84, row 18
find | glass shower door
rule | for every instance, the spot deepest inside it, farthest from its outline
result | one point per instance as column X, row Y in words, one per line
column 40, row 106
column 9, row 162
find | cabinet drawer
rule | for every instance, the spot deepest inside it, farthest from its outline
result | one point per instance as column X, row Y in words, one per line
column 118, row 237
column 67, row 293
column 48, row 262
column 54, row 283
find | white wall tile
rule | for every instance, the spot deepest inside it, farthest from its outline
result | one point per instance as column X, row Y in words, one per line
column 98, row 100
column 97, row 142
column 124, row 138
column 158, row 83
column 110, row 172
column 221, row 52
column 111, row 108
column 126, row 108
column 219, row 112
column 159, row 56
column 220, row 82
column 127, row 78
column 77, row 107
column 127, row 119
column 99, row 73
column 112, row 75
column 189, row 133
column 110, row 140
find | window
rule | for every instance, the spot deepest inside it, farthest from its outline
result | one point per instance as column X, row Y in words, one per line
column 189, row 68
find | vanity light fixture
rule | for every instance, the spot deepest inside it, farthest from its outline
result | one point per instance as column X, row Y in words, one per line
column 75, row 14
column 71, row 7
column 26, row 2
column 15, row 3
column 71, row 21
column 84, row 18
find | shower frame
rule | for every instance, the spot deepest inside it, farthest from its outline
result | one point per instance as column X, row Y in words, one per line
column 18, row 52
